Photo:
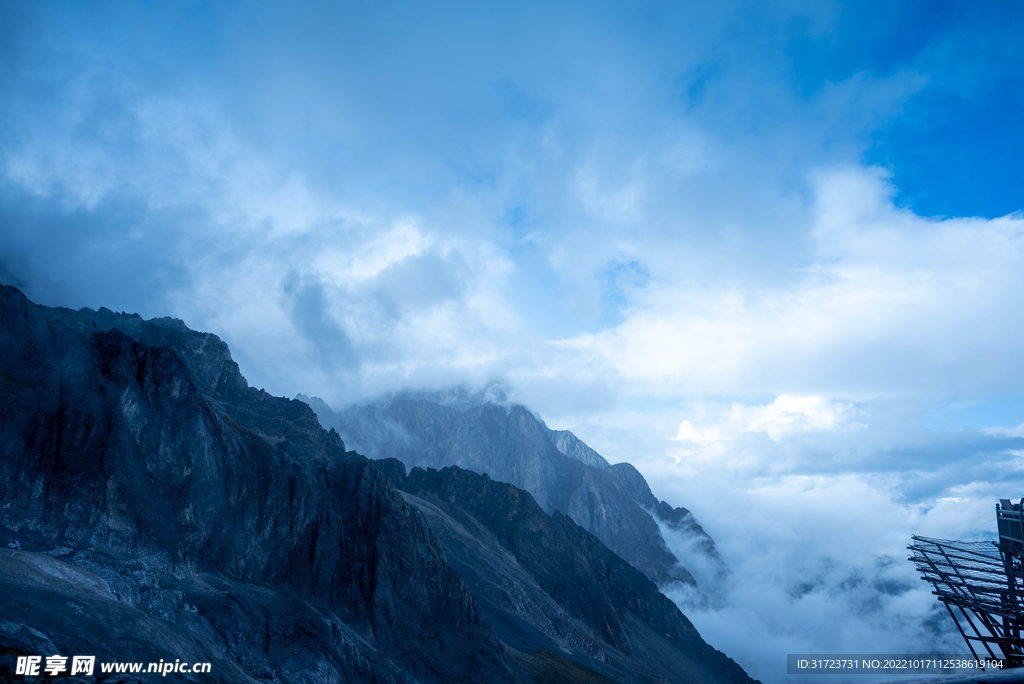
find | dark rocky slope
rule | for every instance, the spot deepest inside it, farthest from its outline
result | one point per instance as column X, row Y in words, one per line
column 547, row 585
column 561, row 472
column 224, row 519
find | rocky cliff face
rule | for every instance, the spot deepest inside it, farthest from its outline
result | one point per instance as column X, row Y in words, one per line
column 561, row 472
column 153, row 506
column 573, row 447
column 219, row 517
column 550, row 586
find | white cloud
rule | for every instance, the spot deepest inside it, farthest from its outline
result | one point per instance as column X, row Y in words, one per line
column 819, row 565
column 811, row 502
column 888, row 302
column 882, row 301
column 786, row 415
column 1007, row 431
column 345, row 264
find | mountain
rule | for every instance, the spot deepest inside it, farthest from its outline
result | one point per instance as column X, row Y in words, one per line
column 156, row 507
column 562, row 473
column 153, row 506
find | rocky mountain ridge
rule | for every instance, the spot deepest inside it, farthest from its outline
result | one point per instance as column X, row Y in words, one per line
column 553, row 585
column 224, row 516
column 154, row 506
column 562, row 473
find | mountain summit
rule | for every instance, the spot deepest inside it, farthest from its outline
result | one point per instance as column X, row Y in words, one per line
column 154, row 507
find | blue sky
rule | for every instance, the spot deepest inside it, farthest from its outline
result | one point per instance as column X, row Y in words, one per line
column 769, row 252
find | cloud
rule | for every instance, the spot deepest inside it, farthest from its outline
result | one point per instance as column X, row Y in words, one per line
column 819, row 565
column 811, row 502
column 813, row 519
column 1017, row 431
column 888, row 303
column 785, row 415
column 200, row 175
